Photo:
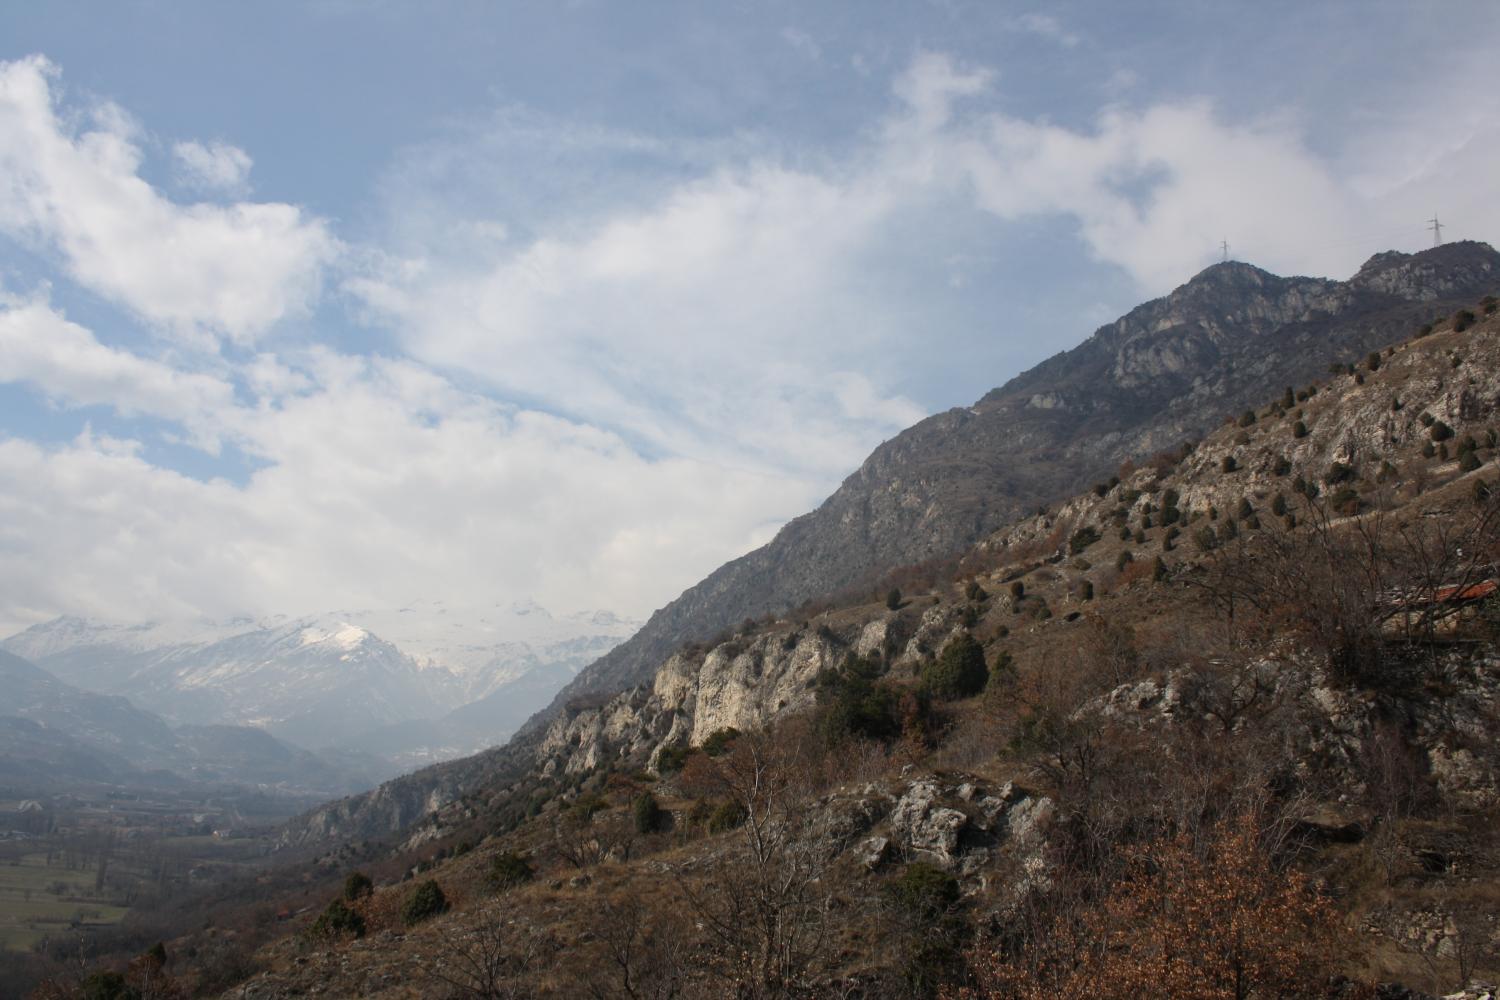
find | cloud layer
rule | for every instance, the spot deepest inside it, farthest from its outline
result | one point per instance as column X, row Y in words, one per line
column 592, row 401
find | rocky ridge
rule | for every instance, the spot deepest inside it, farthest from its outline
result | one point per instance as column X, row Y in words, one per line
column 1168, row 370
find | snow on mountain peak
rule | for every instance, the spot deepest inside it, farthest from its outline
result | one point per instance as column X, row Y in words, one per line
column 343, row 635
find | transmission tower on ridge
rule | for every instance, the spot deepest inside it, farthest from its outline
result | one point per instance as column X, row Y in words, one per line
column 1224, row 246
column 1437, row 230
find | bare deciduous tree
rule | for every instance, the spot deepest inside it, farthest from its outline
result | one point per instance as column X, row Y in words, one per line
column 767, row 905
column 485, row 956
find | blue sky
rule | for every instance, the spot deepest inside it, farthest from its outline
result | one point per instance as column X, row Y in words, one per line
column 312, row 305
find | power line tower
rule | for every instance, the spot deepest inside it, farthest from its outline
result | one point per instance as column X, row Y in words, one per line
column 1437, row 230
column 1224, row 248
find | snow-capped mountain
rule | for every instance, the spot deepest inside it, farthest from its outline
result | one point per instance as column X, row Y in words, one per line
column 489, row 647
column 383, row 682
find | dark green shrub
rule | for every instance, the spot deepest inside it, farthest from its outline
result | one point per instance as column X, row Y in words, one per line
column 893, row 599
column 1205, row 539
column 1288, row 398
column 1003, row 674
column 1345, row 500
column 1468, row 461
column 1488, row 305
column 1338, row 472
column 1170, row 515
column 508, row 870
column 975, row 592
column 1159, row 569
column 337, row 920
column 1372, row 361
column 725, row 817
column 1086, row 591
column 1299, row 430
column 1282, row 466
column 959, row 671
column 1278, row 505
column 357, row 886
column 670, row 760
column 853, row 704
column 1229, row 464
column 1082, row 539
column 1124, row 559
column 1427, row 419
column 1247, row 418
column 1428, row 450
column 1244, row 510
column 719, row 741
column 107, row 986
column 1017, row 590
column 1170, row 498
column 649, row 815
column 922, row 892
column 1140, row 538
column 1462, row 320
column 1125, row 533
column 1440, row 431
column 425, row 902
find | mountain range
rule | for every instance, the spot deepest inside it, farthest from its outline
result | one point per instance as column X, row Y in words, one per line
column 1169, row 370
column 441, row 682
column 55, row 737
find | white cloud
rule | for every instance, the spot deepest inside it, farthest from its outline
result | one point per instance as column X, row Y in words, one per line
column 802, row 42
column 598, row 403
column 1045, row 26
column 200, row 269
column 39, row 346
column 216, row 166
column 713, row 324
column 383, row 484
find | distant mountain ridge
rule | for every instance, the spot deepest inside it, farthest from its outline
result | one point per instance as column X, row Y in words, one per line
column 333, row 682
column 54, row 735
column 1169, row 369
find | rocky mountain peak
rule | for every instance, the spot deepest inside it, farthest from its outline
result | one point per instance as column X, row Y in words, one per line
column 1169, row 369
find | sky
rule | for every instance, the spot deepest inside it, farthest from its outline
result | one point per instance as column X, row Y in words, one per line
column 322, row 305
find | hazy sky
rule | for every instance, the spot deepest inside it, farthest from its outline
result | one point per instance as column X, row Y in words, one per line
column 333, row 304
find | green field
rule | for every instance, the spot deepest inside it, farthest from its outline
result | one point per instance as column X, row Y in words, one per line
column 37, row 900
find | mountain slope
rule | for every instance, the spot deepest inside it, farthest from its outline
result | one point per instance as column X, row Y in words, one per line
column 1171, row 368
column 57, row 734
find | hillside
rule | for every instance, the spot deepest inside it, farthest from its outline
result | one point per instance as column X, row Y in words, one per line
column 1250, row 684
column 1167, row 370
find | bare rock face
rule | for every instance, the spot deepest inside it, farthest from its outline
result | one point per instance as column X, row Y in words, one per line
column 1169, row 369
column 735, row 685
column 924, row 826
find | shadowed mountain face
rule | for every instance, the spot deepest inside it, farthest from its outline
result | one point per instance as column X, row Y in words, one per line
column 54, row 736
column 1169, row 369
